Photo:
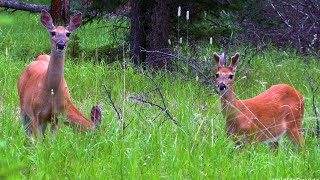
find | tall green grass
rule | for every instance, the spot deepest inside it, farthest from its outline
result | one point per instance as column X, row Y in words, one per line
column 151, row 146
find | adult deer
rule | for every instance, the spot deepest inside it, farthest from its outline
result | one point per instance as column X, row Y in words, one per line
column 264, row 118
column 42, row 89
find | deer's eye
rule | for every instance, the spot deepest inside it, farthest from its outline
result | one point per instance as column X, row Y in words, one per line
column 231, row 76
column 217, row 75
column 68, row 34
column 53, row 33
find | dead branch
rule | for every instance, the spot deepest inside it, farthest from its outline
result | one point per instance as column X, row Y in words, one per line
column 113, row 105
column 314, row 88
column 16, row 5
column 164, row 108
column 296, row 24
column 23, row 6
column 280, row 15
column 191, row 65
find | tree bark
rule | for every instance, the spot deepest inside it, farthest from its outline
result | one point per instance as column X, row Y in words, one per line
column 137, row 33
column 149, row 31
column 60, row 12
column 159, row 33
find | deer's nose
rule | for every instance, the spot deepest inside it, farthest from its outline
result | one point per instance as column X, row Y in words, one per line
column 222, row 86
column 61, row 45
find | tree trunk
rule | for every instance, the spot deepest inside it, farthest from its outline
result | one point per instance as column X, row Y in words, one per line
column 137, row 33
column 158, row 35
column 149, row 31
column 60, row 12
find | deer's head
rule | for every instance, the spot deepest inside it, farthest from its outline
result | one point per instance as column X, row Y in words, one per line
column 60, row 35
column 225, row 75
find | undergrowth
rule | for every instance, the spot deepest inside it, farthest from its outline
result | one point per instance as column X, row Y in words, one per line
column 151, row 145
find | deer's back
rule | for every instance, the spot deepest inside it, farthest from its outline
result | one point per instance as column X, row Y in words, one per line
column 273, row 105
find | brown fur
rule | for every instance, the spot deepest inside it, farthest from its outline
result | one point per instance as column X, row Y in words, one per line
column 43, row 91
column 264, row 118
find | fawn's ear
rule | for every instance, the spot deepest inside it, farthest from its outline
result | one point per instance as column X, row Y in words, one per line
column 216, row 57
column 46, row 19
column 220, row 60
column 234, row 61
column 75, row 22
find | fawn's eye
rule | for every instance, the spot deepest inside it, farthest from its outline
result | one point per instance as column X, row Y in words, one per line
column 231, row 76
column 53, row 33
column 68, row 34
column 217, row 75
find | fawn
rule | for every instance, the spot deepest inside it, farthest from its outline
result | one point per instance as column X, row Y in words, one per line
column 264, row 118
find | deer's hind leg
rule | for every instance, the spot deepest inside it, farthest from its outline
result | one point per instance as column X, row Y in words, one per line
column 54, row 125
column 39, row 127
column 26, row 122
column 295, row 135
column 294, row 129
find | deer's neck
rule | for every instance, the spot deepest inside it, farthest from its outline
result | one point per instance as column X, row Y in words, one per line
column 228, row 103
column 54, row 76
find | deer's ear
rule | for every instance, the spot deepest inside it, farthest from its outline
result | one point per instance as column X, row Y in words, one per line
column 234, row 61
column 96, row 115
column 75, row 22
column 216, row 57
column 46, row 19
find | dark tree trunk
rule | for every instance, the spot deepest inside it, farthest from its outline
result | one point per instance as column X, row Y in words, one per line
column 137, row 33
column 159, row 33
column 60, row 12
column 150, row 31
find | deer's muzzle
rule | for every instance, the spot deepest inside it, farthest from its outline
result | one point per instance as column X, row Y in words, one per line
column 222, row 87
column 61, row 45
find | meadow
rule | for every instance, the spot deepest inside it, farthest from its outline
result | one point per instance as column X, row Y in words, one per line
column 150, row 146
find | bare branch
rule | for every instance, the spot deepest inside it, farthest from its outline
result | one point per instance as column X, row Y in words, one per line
column 112, row 103
column 314, row 88
column 17, row 5
column 189, row 64
column 166, row 110
column 285, row 21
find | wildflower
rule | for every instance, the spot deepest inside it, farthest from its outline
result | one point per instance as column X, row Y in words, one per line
column 179, row 11
column 187, row 15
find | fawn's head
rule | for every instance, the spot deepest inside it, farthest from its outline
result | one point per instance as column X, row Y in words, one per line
column 60, row 35
column 225, row 75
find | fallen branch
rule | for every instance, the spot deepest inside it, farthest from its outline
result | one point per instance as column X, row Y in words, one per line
column 23, row 6
column 164, row 108
column 113, row 105
column 156, row 105
column 189, row 64
column 36, row 8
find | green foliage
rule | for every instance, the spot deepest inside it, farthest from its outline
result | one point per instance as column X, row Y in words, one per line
column 5, row 20
column 81, row 46
column 41, row 2
column 253, row 11
column 107, row 5
column 151, row 146
column 210, row 18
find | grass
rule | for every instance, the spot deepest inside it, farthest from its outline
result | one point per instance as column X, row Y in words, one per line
column 149, row 147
